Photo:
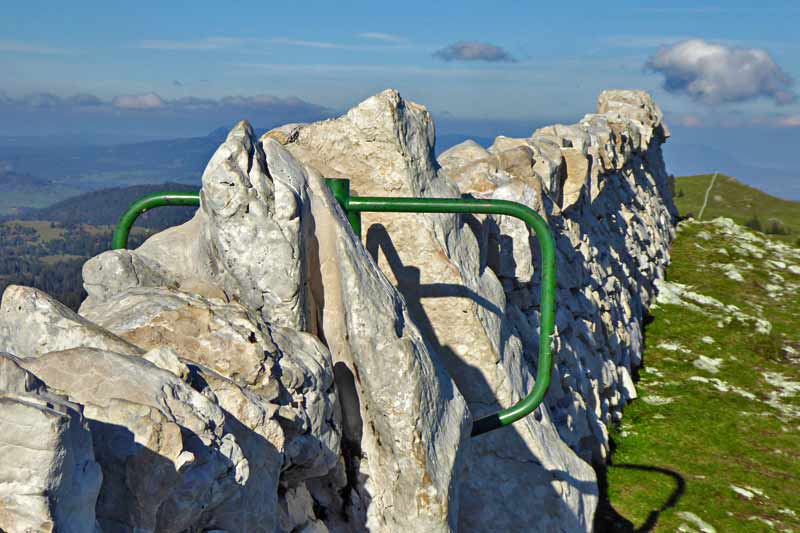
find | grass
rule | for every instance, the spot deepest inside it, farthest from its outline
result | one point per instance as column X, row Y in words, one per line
column 733, row 199
column 45, row 233
column 688, row 454
column 55, row 259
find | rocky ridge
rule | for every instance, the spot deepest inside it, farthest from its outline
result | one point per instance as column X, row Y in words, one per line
column 260, row 369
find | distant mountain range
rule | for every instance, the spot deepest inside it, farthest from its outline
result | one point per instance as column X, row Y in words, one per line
column 92, row 167
column 37, row 172
column 685, row 159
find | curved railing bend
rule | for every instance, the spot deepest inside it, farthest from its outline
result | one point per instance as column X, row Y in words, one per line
column 354, row 205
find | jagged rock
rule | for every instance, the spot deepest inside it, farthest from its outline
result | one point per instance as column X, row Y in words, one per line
column 235, row 343
column 404, row 420
column 14, row 378
column 421, row 414
column 198, row 329
column 32, row 323
column 49, row 479
column 385, row 147
column 166, row 358
column 255, row 369
column 297, row 512
column 611, row 241
column 169, row 459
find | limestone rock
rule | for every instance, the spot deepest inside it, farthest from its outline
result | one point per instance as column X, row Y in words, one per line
column 198, row 329
column 385, row 147
column 404, row 420
column 32, row 323
column 260, row 369
column 320, row 274
column 254, row 230
column 169, row 460
column 603, row 189
column 49, row 480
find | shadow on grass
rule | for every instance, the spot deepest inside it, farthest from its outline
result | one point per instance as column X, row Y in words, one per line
column 608, row 519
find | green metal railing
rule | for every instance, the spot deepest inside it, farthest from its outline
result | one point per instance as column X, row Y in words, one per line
column 353, row 206
column 144, row 204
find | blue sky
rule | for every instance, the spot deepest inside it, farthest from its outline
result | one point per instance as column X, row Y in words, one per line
column 543, row 62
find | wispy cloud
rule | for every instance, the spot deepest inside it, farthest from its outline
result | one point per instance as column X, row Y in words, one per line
column 390, row 71
column 384, row 37
column 642, row 41
column 151, row 101
column 209, row 43
column 32, row 48
column 217, row 43
column 473, row 51
column 139, row 101
column 791, row 122
column 329, row 45
column 308, row 44
column 714, row 73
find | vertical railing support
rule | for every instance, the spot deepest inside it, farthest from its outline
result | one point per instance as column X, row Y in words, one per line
column 341, row 191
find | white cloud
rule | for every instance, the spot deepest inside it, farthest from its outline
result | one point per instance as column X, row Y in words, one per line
column 31, row 48
column 384, row 37
column 306, row 43
column 473, row 51
column 690, row 121
column 791, row 122
column 715, row 73
column 139, row 101
column 209, row 43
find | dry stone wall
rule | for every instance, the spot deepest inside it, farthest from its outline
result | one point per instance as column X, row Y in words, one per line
column 261, row 368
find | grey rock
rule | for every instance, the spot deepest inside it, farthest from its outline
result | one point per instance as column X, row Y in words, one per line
column 49, row 479
column 602, row 186
column 259, row 369
column 404, row 420
column 169, row 461
column 385, row 147
column 196, row 328
column 32, row 323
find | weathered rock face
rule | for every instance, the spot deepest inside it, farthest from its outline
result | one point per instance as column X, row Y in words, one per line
column 385, row 147
column 49, row 479
column 259, row 368
column 603, row 187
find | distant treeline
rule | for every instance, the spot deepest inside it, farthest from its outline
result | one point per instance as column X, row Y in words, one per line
column 53, row 266
column 61, row 280
column 79, row 228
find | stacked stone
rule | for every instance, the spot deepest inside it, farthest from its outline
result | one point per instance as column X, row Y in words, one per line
column 603, row 187
column 260, row 369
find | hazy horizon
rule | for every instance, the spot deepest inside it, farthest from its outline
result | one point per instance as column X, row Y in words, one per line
column 724, row 75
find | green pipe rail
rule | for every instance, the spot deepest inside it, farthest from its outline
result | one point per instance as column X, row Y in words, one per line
column 353, row 206
column 144, row 204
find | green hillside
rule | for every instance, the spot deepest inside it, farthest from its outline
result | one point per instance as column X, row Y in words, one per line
column 715, row 433
column 742, row 203
column 713, row 441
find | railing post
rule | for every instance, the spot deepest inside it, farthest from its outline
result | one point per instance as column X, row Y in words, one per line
column 341, row 191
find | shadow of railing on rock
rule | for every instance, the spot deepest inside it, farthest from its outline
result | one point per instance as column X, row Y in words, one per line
column 481, row 398
column 608, row 519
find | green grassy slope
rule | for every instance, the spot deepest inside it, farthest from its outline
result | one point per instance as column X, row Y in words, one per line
column 731, row 198
column 715, row 433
